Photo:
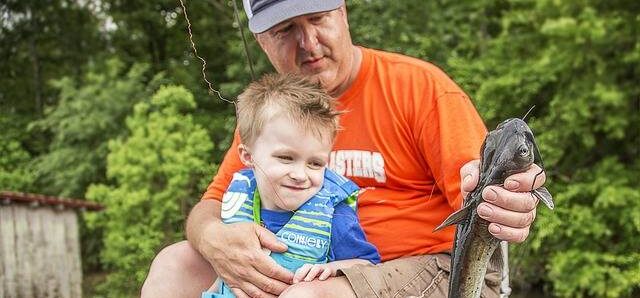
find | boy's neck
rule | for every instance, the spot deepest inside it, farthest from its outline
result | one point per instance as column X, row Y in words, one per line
column 267, row 204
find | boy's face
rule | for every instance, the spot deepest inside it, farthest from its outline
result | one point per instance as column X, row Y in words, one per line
column 288, row 163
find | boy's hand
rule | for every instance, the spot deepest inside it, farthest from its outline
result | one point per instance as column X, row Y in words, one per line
column 309, row 272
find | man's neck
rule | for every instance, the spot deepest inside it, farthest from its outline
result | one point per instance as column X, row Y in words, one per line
column 356, row 63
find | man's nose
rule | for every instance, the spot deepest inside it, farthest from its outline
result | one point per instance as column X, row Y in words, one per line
column 307, row 38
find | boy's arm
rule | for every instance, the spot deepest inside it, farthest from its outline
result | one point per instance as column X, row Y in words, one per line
column 349, row 247
column 348, row 241
column 309, row 272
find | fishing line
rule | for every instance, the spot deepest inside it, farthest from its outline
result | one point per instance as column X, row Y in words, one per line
column 210, row 85
column 536, row 178
column 275, row 191
column 204, row 63
column 433, row 189
column 244, row 40
column 527, row 114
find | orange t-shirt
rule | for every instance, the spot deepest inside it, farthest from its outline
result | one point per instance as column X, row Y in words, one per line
column 407, row 131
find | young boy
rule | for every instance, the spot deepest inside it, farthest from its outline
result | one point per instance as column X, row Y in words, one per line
column 287, row 125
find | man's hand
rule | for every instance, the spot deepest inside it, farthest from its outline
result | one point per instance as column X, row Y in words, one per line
column 510, row 210
column 236, row 253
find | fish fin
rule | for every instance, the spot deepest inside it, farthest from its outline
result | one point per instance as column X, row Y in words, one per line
column 545, row 196
column 496, row 260
column 487, row 150
column 455, row 218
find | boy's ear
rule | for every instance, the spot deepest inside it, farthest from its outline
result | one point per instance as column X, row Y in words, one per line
column 245, row 155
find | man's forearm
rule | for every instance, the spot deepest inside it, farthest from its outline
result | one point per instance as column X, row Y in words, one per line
column 204, row 214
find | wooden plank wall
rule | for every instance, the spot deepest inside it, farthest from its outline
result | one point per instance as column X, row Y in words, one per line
column 39, row 252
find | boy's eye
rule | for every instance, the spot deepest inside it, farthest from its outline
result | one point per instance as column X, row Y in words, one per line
column 284, row 157
column 316, row 165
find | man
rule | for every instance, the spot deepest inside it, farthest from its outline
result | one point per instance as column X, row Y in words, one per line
column 408, row 131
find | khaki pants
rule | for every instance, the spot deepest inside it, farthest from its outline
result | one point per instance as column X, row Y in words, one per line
column 419, row 276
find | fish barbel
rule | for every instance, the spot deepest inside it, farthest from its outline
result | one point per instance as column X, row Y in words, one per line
column 507, row 150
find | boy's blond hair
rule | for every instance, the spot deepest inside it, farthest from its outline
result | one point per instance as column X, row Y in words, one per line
column 293, row 96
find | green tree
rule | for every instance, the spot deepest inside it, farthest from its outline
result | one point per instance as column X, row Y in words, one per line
column 155, row 32
column 39, row 43
column 14, row 160
column 156, row 174
column 90, row 112
column 430, row 30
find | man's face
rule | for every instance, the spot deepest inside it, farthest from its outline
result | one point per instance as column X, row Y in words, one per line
column 318, row 45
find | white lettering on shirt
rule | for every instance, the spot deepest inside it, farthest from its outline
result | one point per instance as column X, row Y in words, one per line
column 304, row 240
column 358, row 163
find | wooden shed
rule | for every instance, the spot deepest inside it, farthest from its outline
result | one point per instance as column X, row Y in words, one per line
column 40, row 246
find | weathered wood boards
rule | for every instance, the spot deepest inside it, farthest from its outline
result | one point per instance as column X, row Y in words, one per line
column 39, row 252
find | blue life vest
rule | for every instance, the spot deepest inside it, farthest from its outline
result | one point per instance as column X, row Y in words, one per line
column 307, row 234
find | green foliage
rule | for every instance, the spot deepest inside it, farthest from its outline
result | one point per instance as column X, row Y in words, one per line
column 577, row 62
column 601, row 216
column 13, row 174
column 155, row 173
column 90, row 112
column 14, row 160
column 40, row 42
column 595, row 274
column 155, row 32
column 430, row 30
column 37, row 43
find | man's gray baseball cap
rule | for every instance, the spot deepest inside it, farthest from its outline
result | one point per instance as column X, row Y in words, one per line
column 264, row 14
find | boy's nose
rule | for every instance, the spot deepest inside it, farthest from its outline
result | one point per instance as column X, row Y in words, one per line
column 298, row 173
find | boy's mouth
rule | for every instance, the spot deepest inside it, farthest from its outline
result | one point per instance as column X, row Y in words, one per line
column 295, row 188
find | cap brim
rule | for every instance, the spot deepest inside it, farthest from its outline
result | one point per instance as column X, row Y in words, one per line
column 283, row 10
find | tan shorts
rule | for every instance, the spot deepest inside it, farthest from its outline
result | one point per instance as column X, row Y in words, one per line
column 420, row 276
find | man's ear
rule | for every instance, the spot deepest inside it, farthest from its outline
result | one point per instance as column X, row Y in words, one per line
column 343, row 12
column 245, row 155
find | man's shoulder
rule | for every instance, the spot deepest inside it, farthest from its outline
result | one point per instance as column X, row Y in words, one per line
column 395, row 65
column 392, row 57
column 395, row 60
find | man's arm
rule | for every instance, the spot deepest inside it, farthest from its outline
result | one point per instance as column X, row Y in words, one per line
column 235, row 252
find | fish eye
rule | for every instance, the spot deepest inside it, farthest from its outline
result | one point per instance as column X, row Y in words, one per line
column 523, row 151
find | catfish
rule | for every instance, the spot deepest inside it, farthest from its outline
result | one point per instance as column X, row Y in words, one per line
column 507, row 150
